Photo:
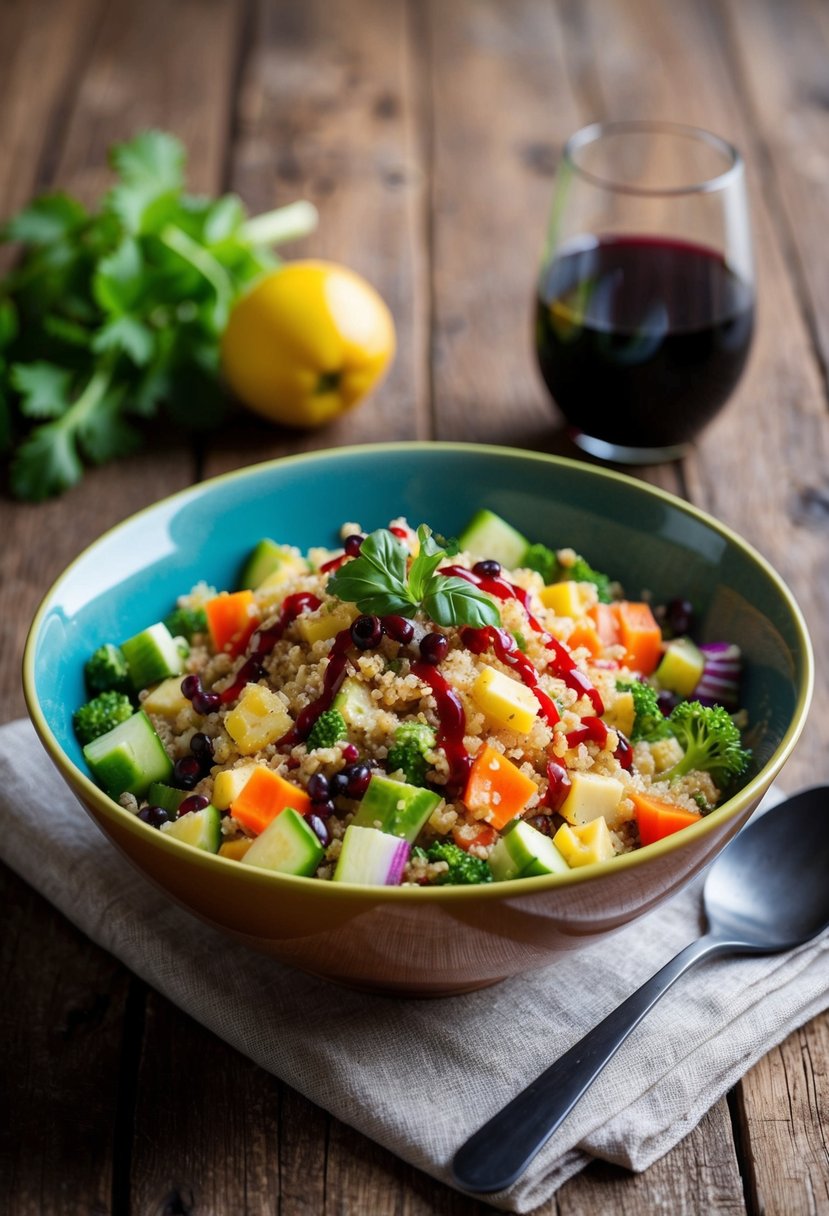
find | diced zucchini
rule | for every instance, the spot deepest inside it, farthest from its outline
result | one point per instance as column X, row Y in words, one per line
column 266, row 560
column 128, row 758
column 487, row 535
column 287, row 845
column 152, row 655
column 201, row 829
column 166, row 796
column 524, row 852
column 354, row 702
column 371, row 858
column 395, row 808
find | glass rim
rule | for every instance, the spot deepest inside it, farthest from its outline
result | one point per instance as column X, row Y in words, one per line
column 596, row 130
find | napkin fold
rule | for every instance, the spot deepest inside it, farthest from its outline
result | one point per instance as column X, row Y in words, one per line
column 420, row 1076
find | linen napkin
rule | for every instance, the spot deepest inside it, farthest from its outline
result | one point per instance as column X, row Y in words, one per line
column 420, row 1076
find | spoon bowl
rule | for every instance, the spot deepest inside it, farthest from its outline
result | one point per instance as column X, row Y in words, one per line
column 766, row 892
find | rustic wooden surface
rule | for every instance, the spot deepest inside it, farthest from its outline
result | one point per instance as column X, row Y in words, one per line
column 427, row 133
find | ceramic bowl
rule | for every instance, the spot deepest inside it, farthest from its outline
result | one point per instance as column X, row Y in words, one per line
column 413, row 940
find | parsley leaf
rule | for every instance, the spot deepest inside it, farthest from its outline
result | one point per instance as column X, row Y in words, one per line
column 378, row 582
column 112, row 314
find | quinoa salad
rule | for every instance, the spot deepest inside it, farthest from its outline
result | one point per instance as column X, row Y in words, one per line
column 406, row 710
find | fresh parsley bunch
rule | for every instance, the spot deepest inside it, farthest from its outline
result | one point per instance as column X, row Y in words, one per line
column 381, row 581
column 110, row 314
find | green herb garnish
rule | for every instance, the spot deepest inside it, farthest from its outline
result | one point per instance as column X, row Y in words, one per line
column 380, row 581
column 111, row 313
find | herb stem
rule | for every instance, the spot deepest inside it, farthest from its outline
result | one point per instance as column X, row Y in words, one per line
column 93, row 394
column 288, row 223
column 207, row 266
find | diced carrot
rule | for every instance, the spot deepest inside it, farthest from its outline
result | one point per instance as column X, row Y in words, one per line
column 586, row 635
column 640, row 636
column 264, row 796
column 476, row 831
column 606, row 619
column 232, row 619
column 497, row 787
column 658, row 819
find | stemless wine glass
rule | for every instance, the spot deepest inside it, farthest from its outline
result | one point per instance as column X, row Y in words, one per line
column 646, row 295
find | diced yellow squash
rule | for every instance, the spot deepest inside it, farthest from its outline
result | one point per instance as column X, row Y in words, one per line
column 291, row 566
column 235, row 849
column 229, row 784
column 590, row 796
column 260, row 718
column 585, row 843
column 505, row 701
column 328, row 624
column 568, row 598
column 166, row 698
column 621, row 714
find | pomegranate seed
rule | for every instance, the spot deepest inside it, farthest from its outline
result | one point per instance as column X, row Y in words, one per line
column 201, row 745
column 155, row 816
column 353, row 543
column 487, row 569
column 338, row 785
column 397, row 628
column 366, row 632
column 433, row 648
column 358, row 776
column 186, row 772
column 318, row 787
column 206, row 702
column 190, row 685
column 195, row 802
column 350, row 753
column 319, row 827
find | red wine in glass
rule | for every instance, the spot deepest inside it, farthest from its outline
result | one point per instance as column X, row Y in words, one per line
column 645, row 304
column 641, row 340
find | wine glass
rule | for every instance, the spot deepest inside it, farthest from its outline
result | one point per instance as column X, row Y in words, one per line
column 645, row 306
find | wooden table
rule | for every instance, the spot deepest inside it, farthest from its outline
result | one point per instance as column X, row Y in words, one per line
column 427, row 134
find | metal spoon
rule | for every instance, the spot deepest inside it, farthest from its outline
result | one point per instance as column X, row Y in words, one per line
column 768, row 891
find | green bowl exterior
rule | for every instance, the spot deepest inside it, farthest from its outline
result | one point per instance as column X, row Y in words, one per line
column 410, row 939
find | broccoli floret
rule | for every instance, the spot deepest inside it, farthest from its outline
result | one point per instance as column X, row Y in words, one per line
column 185, row 622
column 328, row 730
column 649, row 722
column 412, row 740
column 545, row 562
column 710, row 740
column 101, row 714
column 106, row 670
column 464, row 869
column 581, row 572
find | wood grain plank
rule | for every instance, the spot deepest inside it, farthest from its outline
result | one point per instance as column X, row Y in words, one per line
column 784, row 1109
column 699, row 1175
column 776, row 425
column 781, row 55
column 44, row 42
column 136, row 77
column 61, row 1022
column 328, row 111
column 206, row 1123
column 502, row 105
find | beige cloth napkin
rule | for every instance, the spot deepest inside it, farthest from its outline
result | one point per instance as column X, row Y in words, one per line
column 420, row 1076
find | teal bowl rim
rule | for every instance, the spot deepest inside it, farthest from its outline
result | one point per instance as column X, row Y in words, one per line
column 729, row 809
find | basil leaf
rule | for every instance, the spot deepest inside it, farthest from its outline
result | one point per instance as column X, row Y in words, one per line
column 454, row 601
column 384, row 551
column 429, row 557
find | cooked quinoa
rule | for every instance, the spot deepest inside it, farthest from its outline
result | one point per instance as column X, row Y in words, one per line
column 530, row 702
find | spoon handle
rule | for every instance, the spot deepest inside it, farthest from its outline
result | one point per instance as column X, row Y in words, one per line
column 495, row 1155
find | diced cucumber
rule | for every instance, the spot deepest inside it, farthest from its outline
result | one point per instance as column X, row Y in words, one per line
column 287, row 845
column 166, row 796
column 201, row 829
column 264, row 560
column 681, row 667
column 152, row 655
column 395, row 808
column 371, row 858
column 354, row 702
column 524, row 852
column 128, row 758
column 488, row 536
